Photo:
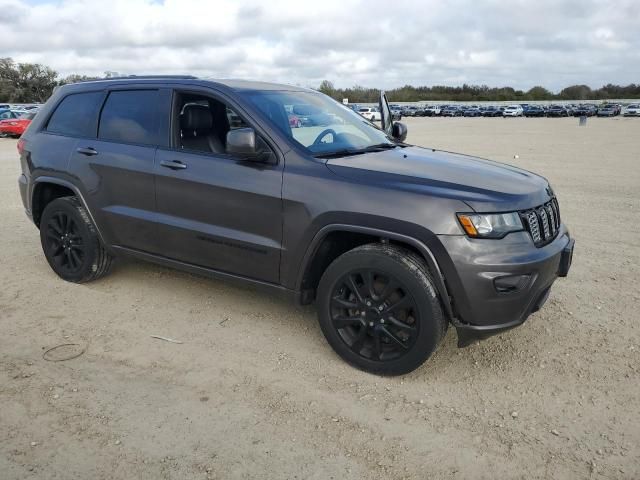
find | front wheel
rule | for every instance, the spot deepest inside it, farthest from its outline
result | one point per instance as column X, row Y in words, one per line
column 379, row 310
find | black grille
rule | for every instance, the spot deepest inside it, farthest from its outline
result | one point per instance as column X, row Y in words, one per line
column 543, row 222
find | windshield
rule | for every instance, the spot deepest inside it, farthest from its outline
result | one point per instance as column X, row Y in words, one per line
column 323, row 126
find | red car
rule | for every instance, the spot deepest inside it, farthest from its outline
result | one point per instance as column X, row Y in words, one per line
column 15, row 127
column 294, row 121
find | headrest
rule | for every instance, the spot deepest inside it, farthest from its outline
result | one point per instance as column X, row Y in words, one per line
column 196, row 117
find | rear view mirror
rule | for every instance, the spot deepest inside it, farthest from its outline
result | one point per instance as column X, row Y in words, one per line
column 399, row 131
column 241, row 142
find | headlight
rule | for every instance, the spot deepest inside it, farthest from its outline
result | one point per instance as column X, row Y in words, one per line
column 491, row 225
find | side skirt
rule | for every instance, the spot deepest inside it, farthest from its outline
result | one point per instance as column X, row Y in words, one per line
column 272, row 288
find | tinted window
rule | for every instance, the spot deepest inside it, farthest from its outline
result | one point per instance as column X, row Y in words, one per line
column 131, row 117
column 76, row 115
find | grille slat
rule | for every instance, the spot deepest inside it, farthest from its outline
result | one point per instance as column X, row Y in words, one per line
column 543, row 222
column 542, row 213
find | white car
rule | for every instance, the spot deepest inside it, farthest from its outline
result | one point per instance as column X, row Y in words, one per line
column 370, row 113
column 434, row 109
column 632, row 110
column 513, row 111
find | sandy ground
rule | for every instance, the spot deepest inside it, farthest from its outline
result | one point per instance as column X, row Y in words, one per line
column 255, row 392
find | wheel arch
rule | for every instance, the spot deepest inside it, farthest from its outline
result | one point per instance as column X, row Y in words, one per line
column 46, row 189
column 314, row 263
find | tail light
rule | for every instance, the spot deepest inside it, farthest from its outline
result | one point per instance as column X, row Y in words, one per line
column 20, row 146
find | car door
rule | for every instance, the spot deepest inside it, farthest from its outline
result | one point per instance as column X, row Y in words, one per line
column 117, row 167
column 216, row 210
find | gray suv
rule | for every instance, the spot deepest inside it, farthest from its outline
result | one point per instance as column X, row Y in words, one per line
column 393, row 242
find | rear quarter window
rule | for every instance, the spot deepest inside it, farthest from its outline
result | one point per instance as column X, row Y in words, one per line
column 76, row 115
column 130, row 116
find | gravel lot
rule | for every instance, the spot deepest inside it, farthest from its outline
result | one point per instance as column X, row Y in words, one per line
column 255, row 392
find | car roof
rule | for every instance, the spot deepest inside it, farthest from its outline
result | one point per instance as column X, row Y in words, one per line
column 227, row 84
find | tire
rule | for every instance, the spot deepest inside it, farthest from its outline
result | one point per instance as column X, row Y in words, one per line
column 70, row 242
column 400, row 327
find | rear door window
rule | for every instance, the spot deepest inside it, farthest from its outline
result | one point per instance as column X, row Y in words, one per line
column 131, row 116
column 76, row 115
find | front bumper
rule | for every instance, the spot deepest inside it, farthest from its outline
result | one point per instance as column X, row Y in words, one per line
column 502, row 282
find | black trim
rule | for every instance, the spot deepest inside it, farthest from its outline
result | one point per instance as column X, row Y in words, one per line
column 427, row 253
column 283, row 292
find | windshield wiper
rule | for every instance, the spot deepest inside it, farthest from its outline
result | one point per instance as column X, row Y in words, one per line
column 356, row 151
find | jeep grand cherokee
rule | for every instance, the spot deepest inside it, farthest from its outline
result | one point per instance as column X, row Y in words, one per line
column 393, row 242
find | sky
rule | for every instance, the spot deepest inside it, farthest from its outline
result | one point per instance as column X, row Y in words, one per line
column 384, row 44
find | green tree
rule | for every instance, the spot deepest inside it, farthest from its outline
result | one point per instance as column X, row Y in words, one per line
column 75, row 78
column 576, row 92
column 538, row 93
column 25, row 82
column 327, row 88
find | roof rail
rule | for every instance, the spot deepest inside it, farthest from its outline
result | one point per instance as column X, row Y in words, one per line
column 142, row 77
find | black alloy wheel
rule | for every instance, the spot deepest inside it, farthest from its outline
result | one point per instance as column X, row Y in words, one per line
column 379, row 309
column 374, row 314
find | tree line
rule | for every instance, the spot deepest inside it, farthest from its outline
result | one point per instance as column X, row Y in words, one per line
column 33, row 82
column 479, row 93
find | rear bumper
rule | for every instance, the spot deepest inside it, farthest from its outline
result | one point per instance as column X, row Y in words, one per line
column 502, row 282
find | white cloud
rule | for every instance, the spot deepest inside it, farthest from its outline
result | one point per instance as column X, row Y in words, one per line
column 371, row 43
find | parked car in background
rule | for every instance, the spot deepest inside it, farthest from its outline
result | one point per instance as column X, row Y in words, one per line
column 433, row 110
column 14, row 127
column 557, row 111
column 452, row 111
column 607, row 110
column 632, row 110
column 586, row 110
column 513, row 111
column 534, row 111
column 617, row 107
column 396, row 112
column 490, row 111
column 472, row 111
column 294, row 121
column 311, row 116
column 370, row 113
column 409, row 111
column 6, row 114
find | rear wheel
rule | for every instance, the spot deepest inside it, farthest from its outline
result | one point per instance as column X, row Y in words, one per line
column 70, row 242
column 379, row 310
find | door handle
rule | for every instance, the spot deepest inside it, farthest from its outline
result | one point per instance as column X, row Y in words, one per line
column 173, row 164
column 88, row 151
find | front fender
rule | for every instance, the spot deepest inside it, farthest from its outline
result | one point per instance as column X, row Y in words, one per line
column 425, row 241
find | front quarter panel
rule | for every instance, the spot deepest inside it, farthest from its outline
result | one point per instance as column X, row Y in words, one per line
column 314, row 197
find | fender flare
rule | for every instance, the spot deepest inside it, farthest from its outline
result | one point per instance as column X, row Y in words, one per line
column 74, row 189
column 425, row 251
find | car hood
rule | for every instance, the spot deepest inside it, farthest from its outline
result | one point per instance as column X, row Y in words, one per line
column 483, row 184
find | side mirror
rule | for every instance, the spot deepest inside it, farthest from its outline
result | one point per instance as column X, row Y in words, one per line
column 242, row 142
column 399, row 131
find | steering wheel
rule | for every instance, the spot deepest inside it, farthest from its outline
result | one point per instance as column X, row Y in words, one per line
column 323, row 134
